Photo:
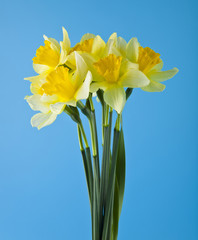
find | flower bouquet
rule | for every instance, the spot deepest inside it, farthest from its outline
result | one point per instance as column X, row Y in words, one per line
column 68, row 79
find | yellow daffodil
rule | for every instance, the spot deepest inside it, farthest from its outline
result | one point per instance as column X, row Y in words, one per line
column 61, row 87
column 50, row 56
column 112, row 74
column 150, row 63
column 91, row 44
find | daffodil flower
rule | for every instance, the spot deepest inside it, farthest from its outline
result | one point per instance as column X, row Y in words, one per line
column 61, row 87
column 150, row 63
column 112, row 74
column 91, row 44
column 50, row 56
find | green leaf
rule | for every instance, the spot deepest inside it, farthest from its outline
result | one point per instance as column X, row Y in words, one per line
column 119, row 185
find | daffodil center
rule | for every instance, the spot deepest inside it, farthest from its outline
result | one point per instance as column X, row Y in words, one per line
column 109, row 67
column 147, row 59
column 85, row 46
column 46, row 55
column 59, row 83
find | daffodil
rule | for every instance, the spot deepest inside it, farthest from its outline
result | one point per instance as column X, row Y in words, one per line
column 150, row 63
column 50, row 56
column 61, row 87
column 91, row 44
column 112, row 74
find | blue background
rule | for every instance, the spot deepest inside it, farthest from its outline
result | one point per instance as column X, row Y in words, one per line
column 42, row 185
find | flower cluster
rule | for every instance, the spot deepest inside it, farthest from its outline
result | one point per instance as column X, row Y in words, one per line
column 68, row 74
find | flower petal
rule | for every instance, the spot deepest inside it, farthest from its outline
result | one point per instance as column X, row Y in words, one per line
column 126, row 65
column 54, row 43
column 63, row 55
column 110, row 48
column 66, row 42
column 157, row 67
column 38, row 77
column 154, row 87
column 121, row 46
column 36, row 103
column 132, row 50
column 87, row 36
column 83, row 91
column 134, row 79
column 40, row 68
column 71, row 102
column 113, row 37
column 98, row 46
column 163, row 75
column 103, row 85
column 57, row 108
column 41, row 120
column 50, row 99
column 115, row 97
column 81, row 67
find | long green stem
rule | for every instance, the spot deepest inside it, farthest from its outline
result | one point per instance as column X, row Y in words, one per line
column 118, row 121
column 105, row 171
column 110, row 189
column 80, row 138
column 83, row 134
column 90, row 113
column 86, row 161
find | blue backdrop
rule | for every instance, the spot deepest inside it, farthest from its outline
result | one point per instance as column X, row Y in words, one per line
column 43, row 193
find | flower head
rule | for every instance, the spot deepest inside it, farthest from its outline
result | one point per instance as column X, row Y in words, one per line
column 149, row 62
column 90, row 44
column 112, row 75
column 50, row 56
column 61, row 87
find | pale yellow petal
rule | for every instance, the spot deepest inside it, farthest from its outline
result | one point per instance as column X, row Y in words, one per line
column 41, row 120
column 39, row 68
column 110, row 48
column 113, row 37
column 116, row 98
column 121, row 46
column 63, row 55
column 87, row 36
column 38, row 77
column 154, row 87
column 134, row 79
column 126, row 65
column 71, row 102
column 36, row 103
column 57, row 108
column 162, row 75
column 66, row 41
column 81, row 69
column 98, row 46
column 157, row 67
column 83, row 91
column 54, row 43
column 50, row 99
column 103, row 85
column 132, row 50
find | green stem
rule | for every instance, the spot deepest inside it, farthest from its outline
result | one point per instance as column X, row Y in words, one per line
column 105, row 171
column 110, row 189
column 91, row 103
column 117, row 126
column 80, row 138
column 83, row 134
column 90, row 113
column 106, row 115
column 86, row 160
